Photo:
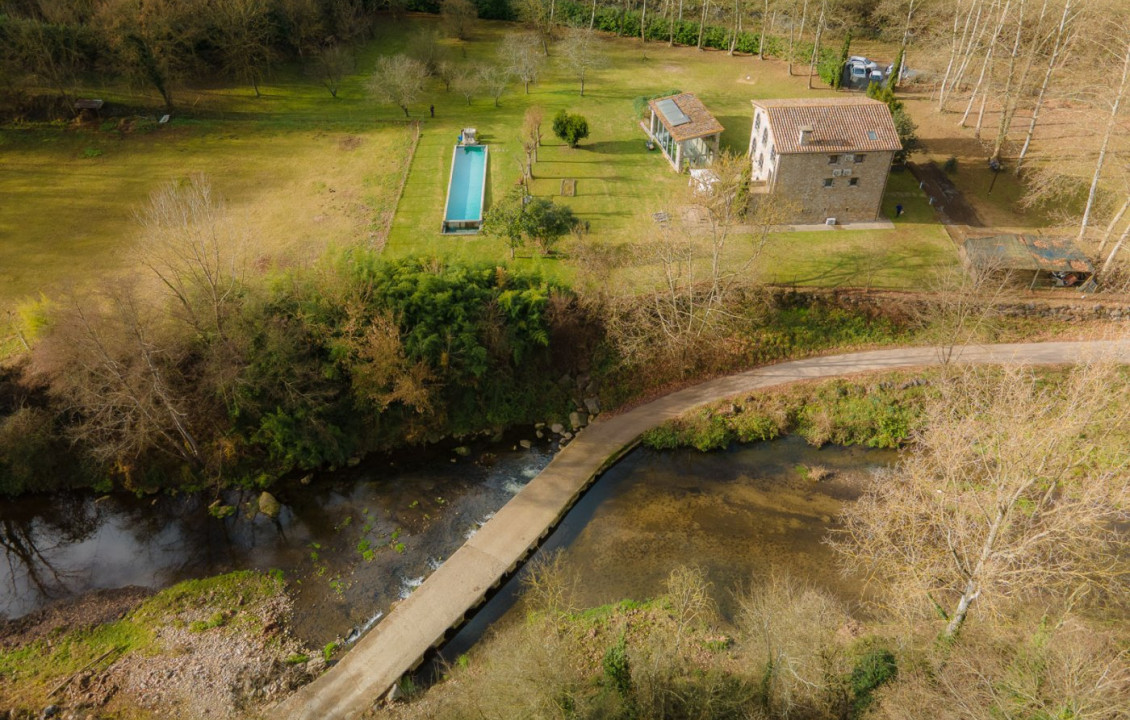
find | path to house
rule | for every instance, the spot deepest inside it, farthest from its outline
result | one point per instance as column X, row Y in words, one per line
column 399, row 642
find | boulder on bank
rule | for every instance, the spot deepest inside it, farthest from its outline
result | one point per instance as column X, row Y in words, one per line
column 269, row 505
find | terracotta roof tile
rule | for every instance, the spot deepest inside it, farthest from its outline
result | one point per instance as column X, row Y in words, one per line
column 838, row 125
column 702, row 122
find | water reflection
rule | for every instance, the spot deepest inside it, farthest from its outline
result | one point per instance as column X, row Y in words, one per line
column 350, row 546
column 736, row 514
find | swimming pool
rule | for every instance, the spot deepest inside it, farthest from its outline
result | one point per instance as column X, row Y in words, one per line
column 464, row 211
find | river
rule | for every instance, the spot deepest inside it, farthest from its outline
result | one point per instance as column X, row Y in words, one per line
column 354, row 542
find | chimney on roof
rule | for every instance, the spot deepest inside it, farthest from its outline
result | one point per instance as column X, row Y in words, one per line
column 805, row 134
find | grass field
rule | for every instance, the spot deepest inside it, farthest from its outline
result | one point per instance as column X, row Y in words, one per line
column 303, row 170
column 620, row 184
column 70, row 196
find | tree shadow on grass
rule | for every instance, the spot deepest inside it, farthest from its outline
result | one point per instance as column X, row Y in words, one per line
column 619, row 147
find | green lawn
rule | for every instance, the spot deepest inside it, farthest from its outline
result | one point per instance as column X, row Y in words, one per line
column 303, row 170
column 906, row 257
column 620, row 184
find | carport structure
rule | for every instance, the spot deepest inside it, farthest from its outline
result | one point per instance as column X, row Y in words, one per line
column 1036, row 260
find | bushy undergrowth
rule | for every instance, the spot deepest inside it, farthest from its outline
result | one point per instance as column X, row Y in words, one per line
column 764, row 329
column 879, row 413
column 303, row 372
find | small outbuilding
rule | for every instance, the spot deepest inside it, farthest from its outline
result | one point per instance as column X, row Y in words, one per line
column 1033, row 260
column 684, row 130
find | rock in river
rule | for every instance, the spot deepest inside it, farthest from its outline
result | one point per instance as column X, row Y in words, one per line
column 269, row 505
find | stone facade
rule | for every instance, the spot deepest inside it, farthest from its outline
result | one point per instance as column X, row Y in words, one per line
column 849, row 189
column 829, row 157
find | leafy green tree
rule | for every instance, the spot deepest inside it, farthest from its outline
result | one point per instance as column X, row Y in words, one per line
column 907, row 130
column 545, row 222
column 505, row 219
column 570, row 128
column 845, row 53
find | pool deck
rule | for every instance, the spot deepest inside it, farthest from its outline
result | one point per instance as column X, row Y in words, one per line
column 399, row 642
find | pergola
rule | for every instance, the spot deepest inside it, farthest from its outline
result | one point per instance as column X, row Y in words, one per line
column 684, row 130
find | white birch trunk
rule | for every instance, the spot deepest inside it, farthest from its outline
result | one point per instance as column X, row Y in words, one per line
column 1053, row 60
column 1112, row 121
column 1114, row 222
column 987, row 63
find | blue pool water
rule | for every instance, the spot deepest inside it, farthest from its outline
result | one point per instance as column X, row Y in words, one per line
column 465, row 196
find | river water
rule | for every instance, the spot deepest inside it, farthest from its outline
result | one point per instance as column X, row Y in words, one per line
column 737, row 514
column 354, row 543
column 350, row 544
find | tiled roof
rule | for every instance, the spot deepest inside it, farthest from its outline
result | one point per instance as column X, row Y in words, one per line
column 701, row 124
column 851, row 124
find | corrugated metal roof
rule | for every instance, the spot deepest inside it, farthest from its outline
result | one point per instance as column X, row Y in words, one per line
column 1027, row 252
column 701, row 124
column 838, row 125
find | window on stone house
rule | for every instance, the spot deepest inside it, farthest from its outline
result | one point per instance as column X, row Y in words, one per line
column 772, row 154
column 853, row 182
column 827, row 182
column 757, row 121
column 760, row 160
column 765, row 136
column 859, row 158
column 833, row 159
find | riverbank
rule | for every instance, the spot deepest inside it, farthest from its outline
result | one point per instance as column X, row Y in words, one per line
column 210, row 648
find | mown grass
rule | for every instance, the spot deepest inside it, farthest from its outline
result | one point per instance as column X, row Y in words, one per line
column 30, row 672
column 303, row 170
column 619, row 183
column 68, row 217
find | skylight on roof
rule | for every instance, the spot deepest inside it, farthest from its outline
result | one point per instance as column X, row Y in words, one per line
column 872, row 135
column 671, row 111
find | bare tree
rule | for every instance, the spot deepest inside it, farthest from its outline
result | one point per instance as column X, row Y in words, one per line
column 495, row 79
column 519, row 53
column 962, row 307
column 468, row 81
column 538, row 14
column 581, row 54
column 1060, row 41
column 458, row 17
column 531, row 138
column 694, row 267
column 688, row 592
column 446, row 72
column 1123, row 39
column 1011, row 490
column 792, row 629
column 306, row 24
column 1019, row 668
column 398, row 80
column 107, row 359
column 331, row 66
column 245, row 38
column 193, row 248
column 821, row 24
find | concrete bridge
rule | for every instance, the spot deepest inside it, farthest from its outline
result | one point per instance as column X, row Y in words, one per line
column 398, row 644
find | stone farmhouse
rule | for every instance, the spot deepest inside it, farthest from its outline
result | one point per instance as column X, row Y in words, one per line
column 829, row 155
